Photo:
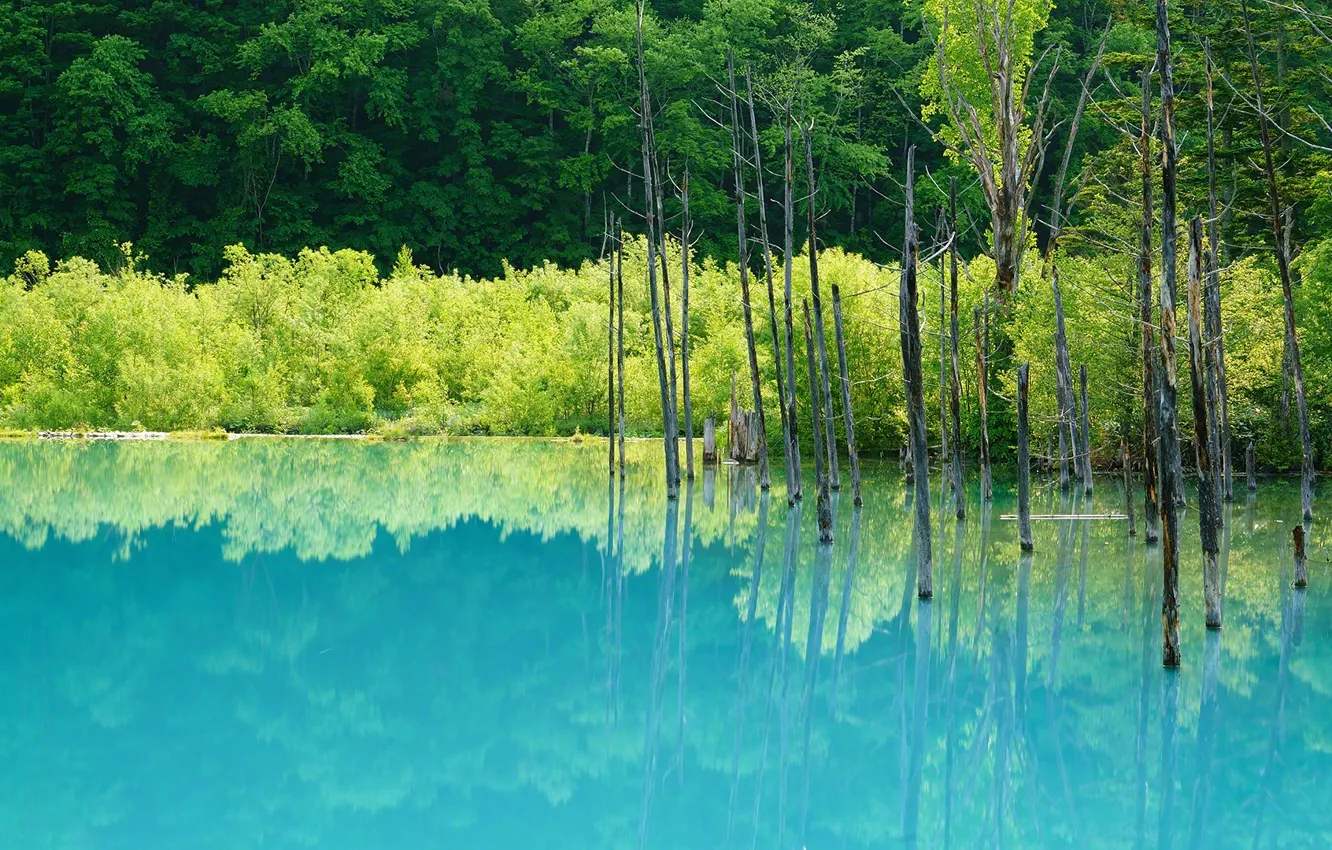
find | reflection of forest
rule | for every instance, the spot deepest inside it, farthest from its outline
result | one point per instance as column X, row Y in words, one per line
column 506, row 680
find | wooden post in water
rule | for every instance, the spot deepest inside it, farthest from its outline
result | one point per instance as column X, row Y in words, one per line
column 742, row 235
column 1209, row 506
column 1248, row 467
column 1024, row 462
column 824, row 500
column 1151, row 479
column 982, row 394
column 710, row 439
column 1308, row 474
column 830, row 444
column 685, row 228
column 846, row 396
column 1128, row 486
column 913, row 378
column 1086, row 437
column 954, row 382
column 1301, row 562
column 1168, row 442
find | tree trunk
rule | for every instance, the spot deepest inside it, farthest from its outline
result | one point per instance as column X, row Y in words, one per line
column 1168, row 451
column 1248, row 467
column 610, row 356
column 1301, row 563
column 668, row 308
column 846, row 396
column 1217, row 359
column 1283, row 265
column 913, row 378
column 816, row 415
column 619, row 334
column 644, row 118
column 710, row 440
column 945, row 455
column 791, row 469
column 955, row 382
column 1148, row 352
column 1086, row 436
column 1069, row 444
column 1024, row 462
column 821, row 339
column 1127, row 464
column 685, row 227
column 1209, row 508
column 788, row 260
column 744, row 273
column 982, row 392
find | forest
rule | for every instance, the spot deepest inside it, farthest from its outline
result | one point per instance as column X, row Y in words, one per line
column 402, row 218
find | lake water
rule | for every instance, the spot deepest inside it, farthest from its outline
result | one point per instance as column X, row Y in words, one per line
column 485, row 644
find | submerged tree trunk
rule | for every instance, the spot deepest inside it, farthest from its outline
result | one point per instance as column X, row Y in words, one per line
column 710, row 439
column 1024, row 462
column 1168, row 450
column 982, row 393
column 945, row 455
column 788, row 260
column 1301, row 562
column 913, row 378
column 1069, row 444
column 1283, row 265
column 845, row 375
column 1215, row 333
column 644, row 117
column 1150, row 501
column 1086, row 436
column 685, row 227
column 610, row 355
column 1209, row 508
column 1127, row 462
column 830, row 444
column 816, row 415
column 1248, row 467
column 955, row 383
column 791, row 469
column 619, row 334
column 764, row 480
column 668, row 308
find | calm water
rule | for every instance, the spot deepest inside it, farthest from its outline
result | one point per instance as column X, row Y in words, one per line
column 482, row 645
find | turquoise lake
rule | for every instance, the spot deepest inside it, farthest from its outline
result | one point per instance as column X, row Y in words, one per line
column 492, row 644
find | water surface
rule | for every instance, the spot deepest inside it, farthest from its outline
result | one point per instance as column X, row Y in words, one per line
column 490, row 644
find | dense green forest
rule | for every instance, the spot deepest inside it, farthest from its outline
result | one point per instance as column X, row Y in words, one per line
column 460, row 158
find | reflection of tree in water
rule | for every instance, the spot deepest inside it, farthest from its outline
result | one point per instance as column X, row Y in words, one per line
column 515, row 663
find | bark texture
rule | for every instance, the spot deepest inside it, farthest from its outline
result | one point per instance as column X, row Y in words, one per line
column 913, row 378
column 1209, row 506
column 1024, row 462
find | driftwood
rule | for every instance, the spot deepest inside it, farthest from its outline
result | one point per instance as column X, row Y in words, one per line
column 1168, row 441
column 845, row 376
column 667, row 407
column 1283, row 265
column 744, row 435
column 982, row 394
column 1301, row 561
column 816, row 415
column 762, row 447
column 1024, row 461
column 1150, row 476
column 830, row 442
column 1209, row 506
column 912, row 377
column 710, row 440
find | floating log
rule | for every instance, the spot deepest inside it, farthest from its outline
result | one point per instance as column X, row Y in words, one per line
column 1301, row 561
column 913, row 378
column 1150, row 502
column 1064, row 516
column 1209, row 506
column 1168, row 442
column 1024, row 462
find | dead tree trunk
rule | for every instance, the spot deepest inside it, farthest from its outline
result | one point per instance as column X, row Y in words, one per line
column 954, row 372
column 1024, row 461
column 667, row 306
column 710, row 440
column 1248, row 467
column 610, row 355
column 1283, row 265
column 791, row 468
column 743, row 431
column 1217, row 350
column 1127, row 463
column 982, row 393
column 764, row 480
column 1069, row 443
column 1150, row 502
column 619, row 333
column 1209, row 508
column 1301, row 562
column 644, row 119
column 945, row 456
column 830, row 444
column 846, row 396
column 912, row 376
column 816, row 414
column 685, row 227
column 1168, row 444
column 1086, row 436
column 788, row 260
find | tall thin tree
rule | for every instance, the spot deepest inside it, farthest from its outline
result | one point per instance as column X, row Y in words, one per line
column 686, row 227
column 821, row 340
column 914, row 380
column 1150, row 409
